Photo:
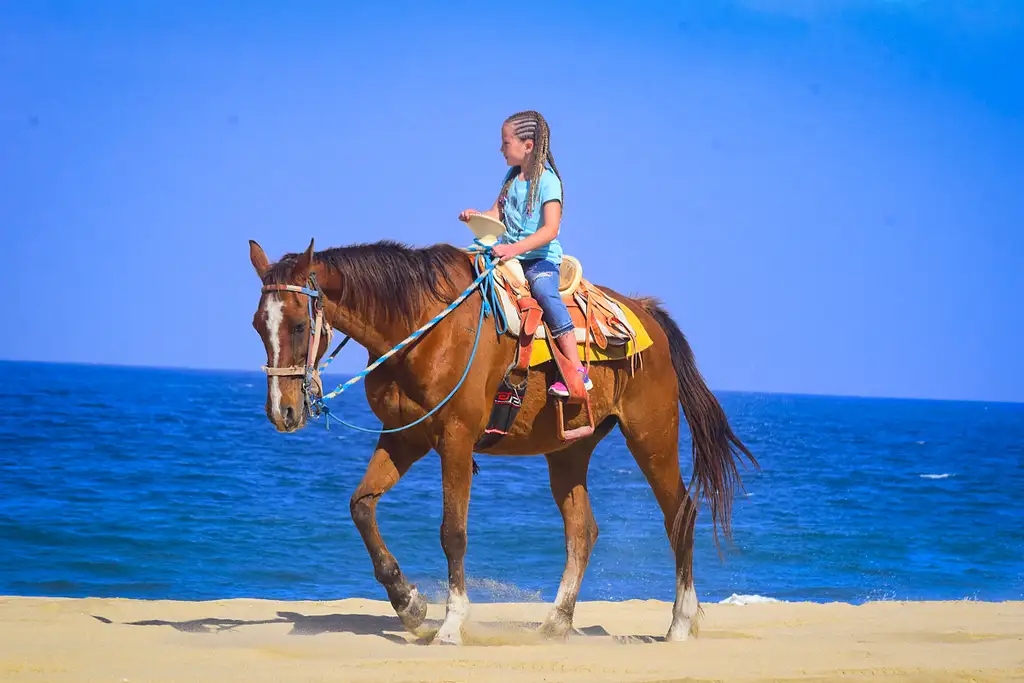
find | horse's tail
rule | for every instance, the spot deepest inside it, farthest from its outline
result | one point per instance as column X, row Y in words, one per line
column 717, row 451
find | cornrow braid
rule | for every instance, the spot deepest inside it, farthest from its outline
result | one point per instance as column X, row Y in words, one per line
column 530, row 125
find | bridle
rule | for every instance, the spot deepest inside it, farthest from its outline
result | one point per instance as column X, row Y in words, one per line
column 312, row 386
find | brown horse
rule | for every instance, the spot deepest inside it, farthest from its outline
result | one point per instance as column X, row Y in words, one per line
column 378, row 293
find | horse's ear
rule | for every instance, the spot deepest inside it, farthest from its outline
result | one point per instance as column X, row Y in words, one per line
column 258, row 258
column 303, row 263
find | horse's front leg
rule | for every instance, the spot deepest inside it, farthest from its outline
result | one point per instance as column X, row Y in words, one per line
column 392, row 459
column 457, row 478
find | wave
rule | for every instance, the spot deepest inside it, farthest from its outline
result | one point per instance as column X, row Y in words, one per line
column 936, row 476
column 736, row 599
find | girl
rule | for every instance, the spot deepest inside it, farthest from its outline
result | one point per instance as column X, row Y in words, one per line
column 530, row 206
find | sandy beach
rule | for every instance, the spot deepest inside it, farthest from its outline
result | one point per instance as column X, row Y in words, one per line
column 63, row 639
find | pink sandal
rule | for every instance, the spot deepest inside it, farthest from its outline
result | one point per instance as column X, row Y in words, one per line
column 559, row 388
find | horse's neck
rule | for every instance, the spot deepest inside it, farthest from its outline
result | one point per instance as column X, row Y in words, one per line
column 378, row 336
column 372, row 336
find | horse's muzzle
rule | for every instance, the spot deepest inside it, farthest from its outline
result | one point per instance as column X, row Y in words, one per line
column 291, row 418
column 287, row 418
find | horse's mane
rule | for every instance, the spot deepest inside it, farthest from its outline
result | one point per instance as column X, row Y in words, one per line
column 386, row 278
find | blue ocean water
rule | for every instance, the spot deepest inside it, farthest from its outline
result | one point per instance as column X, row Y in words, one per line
column 151, row 483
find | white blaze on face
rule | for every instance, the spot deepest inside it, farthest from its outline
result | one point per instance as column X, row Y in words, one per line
column 273, row 309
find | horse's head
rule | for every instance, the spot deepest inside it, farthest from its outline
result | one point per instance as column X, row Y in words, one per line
column 295, row 333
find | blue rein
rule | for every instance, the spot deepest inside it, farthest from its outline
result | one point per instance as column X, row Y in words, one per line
column 490, row 305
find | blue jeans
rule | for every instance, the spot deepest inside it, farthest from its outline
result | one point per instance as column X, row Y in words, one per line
column 543, row 276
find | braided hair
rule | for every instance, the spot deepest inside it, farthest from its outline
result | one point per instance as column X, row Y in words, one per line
column 530, row 125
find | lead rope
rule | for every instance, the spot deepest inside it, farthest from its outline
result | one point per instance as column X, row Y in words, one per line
column 485, row 281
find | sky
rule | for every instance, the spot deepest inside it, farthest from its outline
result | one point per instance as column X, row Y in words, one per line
column 826, row 195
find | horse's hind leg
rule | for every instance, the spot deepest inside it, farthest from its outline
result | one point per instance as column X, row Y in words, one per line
column 390, row 461
column 567, row 470
column 653, row 438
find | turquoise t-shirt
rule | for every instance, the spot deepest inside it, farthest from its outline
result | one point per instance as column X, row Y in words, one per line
column 518, row 225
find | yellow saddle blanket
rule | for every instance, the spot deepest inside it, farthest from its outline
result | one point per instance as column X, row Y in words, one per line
column 614, row 331
column 541, row 352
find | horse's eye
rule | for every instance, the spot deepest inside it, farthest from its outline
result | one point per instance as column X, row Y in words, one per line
column 300, row 328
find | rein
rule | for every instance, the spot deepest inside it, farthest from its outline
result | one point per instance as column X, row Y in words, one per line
column 315, row 401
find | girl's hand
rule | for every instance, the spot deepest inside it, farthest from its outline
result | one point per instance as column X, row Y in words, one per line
column 464, row 216
column 504, row 251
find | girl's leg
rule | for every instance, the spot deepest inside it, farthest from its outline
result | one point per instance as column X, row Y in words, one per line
column 543, row 278
column 567, row 344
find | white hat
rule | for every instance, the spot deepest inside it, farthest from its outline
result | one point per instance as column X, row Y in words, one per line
column 485, row 228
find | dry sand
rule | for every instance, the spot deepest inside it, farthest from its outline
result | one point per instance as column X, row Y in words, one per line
column 59, row 639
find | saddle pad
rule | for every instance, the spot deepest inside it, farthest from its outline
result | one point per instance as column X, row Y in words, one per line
column 541, row 352
column 619, row 345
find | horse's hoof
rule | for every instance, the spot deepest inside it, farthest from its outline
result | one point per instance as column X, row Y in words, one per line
column 452, row 637
column 678, row 634
column 415, row 613
column 555, row 629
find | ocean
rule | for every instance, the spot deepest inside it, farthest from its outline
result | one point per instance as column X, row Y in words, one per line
column 172, row 484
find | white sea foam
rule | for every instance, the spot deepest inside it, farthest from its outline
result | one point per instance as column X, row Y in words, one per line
column 736, row 599
column 936, row 476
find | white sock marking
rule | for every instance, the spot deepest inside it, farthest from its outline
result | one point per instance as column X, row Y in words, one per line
column 458, row 610
column 684, row 611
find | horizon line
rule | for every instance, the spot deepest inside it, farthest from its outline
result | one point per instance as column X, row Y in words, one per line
column 766, row 392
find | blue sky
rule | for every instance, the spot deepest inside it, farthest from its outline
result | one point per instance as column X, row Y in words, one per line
column 827, row 196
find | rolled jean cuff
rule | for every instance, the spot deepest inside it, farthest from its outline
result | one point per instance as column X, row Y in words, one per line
column 563, row 330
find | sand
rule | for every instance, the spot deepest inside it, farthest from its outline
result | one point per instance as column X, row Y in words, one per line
column 63, row 639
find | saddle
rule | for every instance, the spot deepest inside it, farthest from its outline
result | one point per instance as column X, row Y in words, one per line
column 599, row 321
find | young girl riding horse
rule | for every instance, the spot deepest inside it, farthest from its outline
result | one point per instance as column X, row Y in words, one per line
column 530, row 206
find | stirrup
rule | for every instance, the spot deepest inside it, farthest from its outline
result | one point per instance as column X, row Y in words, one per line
column 572, row 434
column 577, row 393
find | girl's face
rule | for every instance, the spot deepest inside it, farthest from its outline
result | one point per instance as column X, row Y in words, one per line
column 515, row 151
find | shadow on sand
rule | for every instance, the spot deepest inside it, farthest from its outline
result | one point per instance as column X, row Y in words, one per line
column 302, row 625
column 388, row 627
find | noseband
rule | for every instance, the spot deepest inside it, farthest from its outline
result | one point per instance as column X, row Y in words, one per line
column 312, row 387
